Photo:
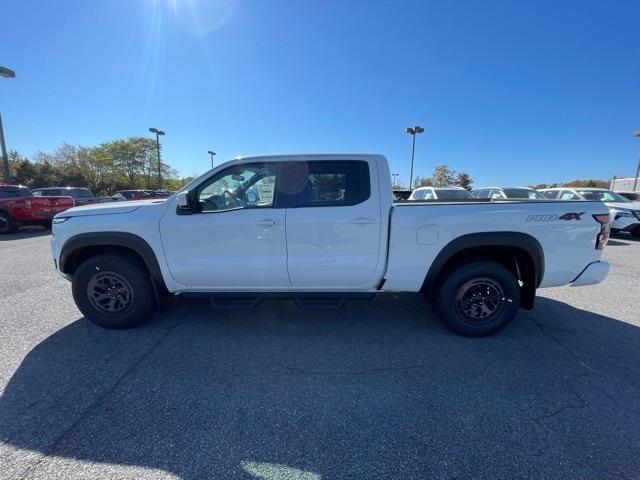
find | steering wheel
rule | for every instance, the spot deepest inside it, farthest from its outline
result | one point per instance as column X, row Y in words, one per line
column 233, row 198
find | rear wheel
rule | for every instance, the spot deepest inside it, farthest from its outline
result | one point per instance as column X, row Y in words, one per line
column 7, row 225
column 113, row 291
column 478, row 298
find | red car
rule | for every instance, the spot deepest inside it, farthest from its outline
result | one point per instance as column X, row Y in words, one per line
column 81, row 196
column 124, row 195
column 18, row 206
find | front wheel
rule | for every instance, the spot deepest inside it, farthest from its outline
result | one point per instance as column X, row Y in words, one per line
column 113, row 291
column 478, row 298
column 7, row 225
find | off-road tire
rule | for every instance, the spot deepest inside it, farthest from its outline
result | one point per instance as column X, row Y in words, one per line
column 478, row 298
column 7, row 225
column 113, row 290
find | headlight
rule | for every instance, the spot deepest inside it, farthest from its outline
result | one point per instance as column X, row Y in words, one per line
column 58, row 220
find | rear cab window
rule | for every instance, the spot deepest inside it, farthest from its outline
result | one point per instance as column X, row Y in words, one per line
column 13, row 192
column 453, row 194
column 335, row 183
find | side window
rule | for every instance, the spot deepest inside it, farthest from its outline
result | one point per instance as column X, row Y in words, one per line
column 239, row 186
column 550, row 194
column 482, row 193
column 419, row 195
column 428, row 195
column 37, row 193
column 568, row 195
column 335, row 184
column 495, row 194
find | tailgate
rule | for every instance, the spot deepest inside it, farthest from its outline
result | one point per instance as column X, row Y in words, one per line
column 52, row 204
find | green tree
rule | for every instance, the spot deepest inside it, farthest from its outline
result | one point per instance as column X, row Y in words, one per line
column 422, row 182
column 442, row 176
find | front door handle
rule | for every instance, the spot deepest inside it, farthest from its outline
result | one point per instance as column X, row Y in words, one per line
column 268, row 222
column 362, row 220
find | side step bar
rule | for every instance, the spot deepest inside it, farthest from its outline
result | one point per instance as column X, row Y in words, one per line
column 304, row 301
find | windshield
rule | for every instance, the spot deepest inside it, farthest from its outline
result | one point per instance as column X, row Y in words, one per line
column 453, row 194
column 522, row 193
column 603, row 196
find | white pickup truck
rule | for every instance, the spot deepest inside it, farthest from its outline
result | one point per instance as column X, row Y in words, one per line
column 320, row 229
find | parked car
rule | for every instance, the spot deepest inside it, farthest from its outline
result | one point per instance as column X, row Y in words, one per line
column 105, row 198
column 625, row 213
column 634, row 196
column 81, row 196
column 501, row 193
column 401, row 194
column 163, row 193
column 18, row 206
column 440, row 193
column 124, row 195
column 321, row 229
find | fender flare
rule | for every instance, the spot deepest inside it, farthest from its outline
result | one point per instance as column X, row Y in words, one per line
column 521, row 241
column 113, row 239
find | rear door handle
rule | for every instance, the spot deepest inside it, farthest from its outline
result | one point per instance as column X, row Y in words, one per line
column 362, row 220
column 268, row 222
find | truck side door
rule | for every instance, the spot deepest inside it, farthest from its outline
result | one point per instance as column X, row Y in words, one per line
column 334, row 230
column 235, row 239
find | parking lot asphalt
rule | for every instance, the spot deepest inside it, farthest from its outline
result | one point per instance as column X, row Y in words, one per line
column 377, row 389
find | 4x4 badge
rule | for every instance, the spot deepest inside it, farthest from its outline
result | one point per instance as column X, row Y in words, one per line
column 571, row 216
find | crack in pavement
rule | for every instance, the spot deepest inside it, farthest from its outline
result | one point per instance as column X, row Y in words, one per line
column 97, row 402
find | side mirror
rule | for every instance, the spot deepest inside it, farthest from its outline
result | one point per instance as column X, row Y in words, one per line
column 183, row 204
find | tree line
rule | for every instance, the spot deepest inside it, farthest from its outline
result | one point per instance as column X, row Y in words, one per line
column 444, row 176
column 121, row 164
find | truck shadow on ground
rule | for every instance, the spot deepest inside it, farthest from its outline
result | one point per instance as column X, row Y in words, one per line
column 374, row 390
column 25, row 232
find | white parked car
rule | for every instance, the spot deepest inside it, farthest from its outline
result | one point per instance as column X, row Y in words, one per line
column 440, row 193
column 504, row 193
column 323, row 228
column 625, row 213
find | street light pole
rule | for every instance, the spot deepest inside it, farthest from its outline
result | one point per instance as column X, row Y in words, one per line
column 413, row 131
column 212, row 153
column 158, row 133
column 395, row 180
column 635, row 182
column 6, row 174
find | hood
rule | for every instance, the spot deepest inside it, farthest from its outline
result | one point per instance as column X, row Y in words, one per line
column 623, row 205
column 108, row 208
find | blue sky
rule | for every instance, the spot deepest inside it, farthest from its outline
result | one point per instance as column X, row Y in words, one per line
column 512, row 92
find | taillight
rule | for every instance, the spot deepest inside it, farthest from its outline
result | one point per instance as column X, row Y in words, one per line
column 603, row 236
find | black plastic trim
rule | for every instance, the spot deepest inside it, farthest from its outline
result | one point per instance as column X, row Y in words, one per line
column 113, row 239
column 522, row 241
